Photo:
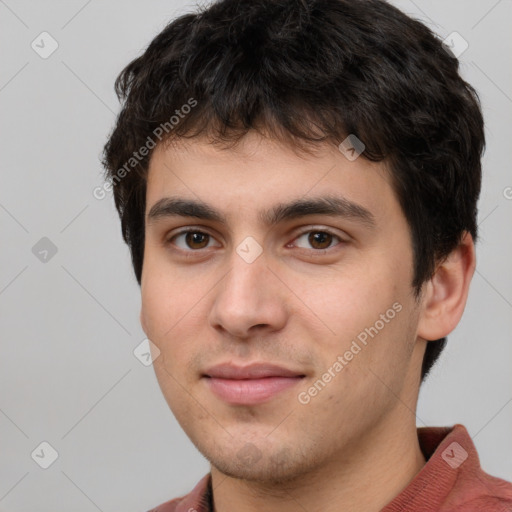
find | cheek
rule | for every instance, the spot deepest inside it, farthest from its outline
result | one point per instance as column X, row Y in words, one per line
column 173, row 321
column 361, row 313
column 169, row 293
column 348, row 303
column 155, row 302
column 163, row 305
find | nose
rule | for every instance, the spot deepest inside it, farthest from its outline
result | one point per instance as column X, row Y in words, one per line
column 249, row 299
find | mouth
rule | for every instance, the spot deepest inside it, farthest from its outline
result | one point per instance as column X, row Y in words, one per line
column 250, row 385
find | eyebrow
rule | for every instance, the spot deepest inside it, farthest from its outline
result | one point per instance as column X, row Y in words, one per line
column 329, row 205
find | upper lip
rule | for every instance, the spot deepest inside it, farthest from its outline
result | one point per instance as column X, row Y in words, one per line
column 252, row 371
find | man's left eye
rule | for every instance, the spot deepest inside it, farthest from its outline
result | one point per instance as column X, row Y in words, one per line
column 318, row 239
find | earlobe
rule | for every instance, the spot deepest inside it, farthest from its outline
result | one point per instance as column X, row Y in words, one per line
column 445, row 294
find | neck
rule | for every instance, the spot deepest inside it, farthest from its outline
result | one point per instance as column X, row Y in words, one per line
column 361, row 479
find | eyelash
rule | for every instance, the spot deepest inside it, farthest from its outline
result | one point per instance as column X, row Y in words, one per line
column 190, row 252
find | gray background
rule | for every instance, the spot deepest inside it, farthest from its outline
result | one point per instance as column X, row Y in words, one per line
column 69, row 325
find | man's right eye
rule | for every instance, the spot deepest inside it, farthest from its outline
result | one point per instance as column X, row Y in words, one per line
column 190, row 240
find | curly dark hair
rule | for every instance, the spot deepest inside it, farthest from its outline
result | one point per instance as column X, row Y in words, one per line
column 310, row 72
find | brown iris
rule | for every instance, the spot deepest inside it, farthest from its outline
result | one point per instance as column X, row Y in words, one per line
column 321, row 238
column 194, row 237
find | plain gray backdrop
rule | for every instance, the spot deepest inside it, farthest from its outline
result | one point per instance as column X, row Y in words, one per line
column 69, row 302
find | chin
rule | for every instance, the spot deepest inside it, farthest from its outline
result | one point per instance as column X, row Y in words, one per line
column 265, row 466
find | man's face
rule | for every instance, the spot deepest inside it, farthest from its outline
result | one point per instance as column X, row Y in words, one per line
column 327, row 297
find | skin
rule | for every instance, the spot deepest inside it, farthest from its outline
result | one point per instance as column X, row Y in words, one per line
column 354, row 446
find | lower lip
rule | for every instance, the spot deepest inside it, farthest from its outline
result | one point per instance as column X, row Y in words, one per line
column 250, row 391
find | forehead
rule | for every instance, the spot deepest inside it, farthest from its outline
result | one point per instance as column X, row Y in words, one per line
column 260, row 173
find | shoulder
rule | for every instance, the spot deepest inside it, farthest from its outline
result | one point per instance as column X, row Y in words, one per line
column 484, row 492
column 474, row 487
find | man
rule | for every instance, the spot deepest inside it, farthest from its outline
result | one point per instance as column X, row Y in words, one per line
column 297, row 182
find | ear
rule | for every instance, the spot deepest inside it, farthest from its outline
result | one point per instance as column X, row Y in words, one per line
column 444, row 296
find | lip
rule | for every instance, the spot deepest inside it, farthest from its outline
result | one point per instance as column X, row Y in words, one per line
column 252, row 371
column 252, row 384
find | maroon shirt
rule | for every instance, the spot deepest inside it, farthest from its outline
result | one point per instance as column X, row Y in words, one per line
column 451, row 480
